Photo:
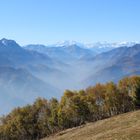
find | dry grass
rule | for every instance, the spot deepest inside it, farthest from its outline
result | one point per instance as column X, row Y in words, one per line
column 121, row 127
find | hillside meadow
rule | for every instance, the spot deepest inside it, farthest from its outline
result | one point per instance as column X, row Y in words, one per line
column 121, row 127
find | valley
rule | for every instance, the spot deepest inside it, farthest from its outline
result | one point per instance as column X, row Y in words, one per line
column 28, row 72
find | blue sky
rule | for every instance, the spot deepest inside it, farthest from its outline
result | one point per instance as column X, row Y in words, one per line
column 51, row 21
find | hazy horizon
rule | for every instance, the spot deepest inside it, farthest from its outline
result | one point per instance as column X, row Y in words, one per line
column 80, row 44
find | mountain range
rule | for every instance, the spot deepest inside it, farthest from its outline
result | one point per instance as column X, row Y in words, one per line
column 115, row 64
column 31, row 71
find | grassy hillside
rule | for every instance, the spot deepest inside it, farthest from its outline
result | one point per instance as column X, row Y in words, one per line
column 121, row 127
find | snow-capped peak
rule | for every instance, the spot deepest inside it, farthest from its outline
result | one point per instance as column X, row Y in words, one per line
column 67, row 43
column 110, row 45
column 6, row 42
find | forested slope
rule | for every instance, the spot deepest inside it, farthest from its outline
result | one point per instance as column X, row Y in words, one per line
column 46, row 117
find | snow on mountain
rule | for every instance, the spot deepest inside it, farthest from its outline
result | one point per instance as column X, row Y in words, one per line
column 100, row 47
column 85, row 45
column 110, row 45
column 67, row 43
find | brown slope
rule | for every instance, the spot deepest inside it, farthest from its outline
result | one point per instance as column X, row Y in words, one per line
column 121, row 127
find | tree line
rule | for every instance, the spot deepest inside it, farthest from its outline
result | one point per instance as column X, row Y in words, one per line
column 45, row 117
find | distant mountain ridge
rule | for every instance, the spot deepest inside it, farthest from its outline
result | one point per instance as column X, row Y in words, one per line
column 67, row 46
column 62, row 52
column 115, row 64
